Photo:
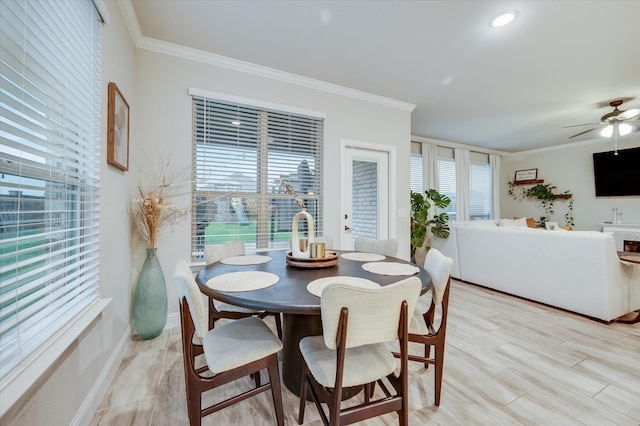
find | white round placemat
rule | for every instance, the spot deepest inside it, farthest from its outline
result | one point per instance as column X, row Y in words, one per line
column 243, row 281
column 250, row 259
column 315, row 287
column 362, row 256
column 390, row 268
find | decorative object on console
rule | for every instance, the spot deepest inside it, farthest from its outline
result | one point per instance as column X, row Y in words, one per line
column 546, row 196
column 422, row 227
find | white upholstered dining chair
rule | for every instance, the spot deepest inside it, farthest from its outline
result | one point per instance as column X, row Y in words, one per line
column 232, row 351
column 388, row 247
column 219, row 309
column 357, row 322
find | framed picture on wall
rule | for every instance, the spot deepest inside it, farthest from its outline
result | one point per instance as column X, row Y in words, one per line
column 525, row 175
column 117, row 129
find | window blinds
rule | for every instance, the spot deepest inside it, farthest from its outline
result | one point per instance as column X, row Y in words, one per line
column 447, row 184
column 416, row 173
column 49, row 170
column 480, row 191
column 240, row 156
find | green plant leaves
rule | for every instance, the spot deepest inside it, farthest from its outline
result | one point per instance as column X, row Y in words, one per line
column 420, row 221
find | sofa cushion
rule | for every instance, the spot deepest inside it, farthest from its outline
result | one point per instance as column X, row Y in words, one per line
column 531, row 222
column 489, row 223
column 522, row 222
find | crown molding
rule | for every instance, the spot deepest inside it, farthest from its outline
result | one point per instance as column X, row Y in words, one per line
column 448, row 144
column 142, row 42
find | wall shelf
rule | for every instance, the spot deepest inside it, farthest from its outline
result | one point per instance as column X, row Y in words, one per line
column 529, row 182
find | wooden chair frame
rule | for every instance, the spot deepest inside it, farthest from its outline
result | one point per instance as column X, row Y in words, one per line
column 215, row 315
column 196, row 384
column 435, row 339
column 333, row 396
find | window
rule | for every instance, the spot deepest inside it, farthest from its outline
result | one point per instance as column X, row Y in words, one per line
column 480, row 191
column 480, row 185
column 447, row 184
column 241, row 155
column 416, row 173
column 49, row 171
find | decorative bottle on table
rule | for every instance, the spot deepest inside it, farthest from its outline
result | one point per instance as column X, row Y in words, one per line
column 300, row 248
column 302, row 251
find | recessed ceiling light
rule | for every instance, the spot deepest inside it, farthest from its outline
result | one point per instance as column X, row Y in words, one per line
column 503, row 19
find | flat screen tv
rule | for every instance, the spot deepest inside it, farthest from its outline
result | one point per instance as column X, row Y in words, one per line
column 617, row 175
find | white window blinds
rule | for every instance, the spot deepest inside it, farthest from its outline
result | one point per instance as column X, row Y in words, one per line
column 480, row 191
column 240, row 156
column 416, row 173
column 49, row 170
column 447, row 184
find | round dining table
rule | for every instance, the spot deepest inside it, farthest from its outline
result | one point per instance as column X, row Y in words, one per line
column 289, row 295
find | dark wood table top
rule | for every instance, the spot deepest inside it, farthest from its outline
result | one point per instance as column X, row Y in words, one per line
column 629, row 256
column 289, row 295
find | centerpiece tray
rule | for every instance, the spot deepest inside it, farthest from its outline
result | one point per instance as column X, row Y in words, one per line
column 330, row 259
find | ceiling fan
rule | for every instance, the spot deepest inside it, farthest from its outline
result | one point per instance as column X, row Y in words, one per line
column 616, row 122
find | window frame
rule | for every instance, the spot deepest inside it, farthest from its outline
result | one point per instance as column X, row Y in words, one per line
column 265, row 145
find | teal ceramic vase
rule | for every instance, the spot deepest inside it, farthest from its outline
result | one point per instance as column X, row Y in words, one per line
column 150, row 300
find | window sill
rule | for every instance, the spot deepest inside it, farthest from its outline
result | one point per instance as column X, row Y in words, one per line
column 20, row 386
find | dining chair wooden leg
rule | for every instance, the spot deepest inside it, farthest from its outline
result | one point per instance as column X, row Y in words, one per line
column 303, row 393
column 256, row 378
column 439, row 371
column 276, row 390
column 194, row 405
column 427, row 353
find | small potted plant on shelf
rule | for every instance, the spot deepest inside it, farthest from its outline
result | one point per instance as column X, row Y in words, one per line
column 424, row 227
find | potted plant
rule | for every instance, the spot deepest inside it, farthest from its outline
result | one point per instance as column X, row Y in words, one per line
column 545, row 195
column 424, row 227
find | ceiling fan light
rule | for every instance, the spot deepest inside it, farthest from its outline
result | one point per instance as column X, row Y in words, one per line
column 624, row 129
column 607, row 131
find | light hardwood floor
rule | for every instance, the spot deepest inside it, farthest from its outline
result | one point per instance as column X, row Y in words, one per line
column 508, row 361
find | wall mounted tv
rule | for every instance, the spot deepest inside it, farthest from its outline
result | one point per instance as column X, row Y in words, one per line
column 617, row 175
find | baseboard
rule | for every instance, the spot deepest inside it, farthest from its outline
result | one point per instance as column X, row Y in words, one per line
column 91, row 403
column 173, row 320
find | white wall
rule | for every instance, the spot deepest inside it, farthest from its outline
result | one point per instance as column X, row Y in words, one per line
column 81, row 375
column 570, row 169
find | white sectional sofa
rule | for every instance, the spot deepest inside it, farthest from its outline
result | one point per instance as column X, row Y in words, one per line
column 574, row 270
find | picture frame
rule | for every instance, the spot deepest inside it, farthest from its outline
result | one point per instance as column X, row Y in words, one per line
column 525, row 175
column 551, row 226
column 117, row 129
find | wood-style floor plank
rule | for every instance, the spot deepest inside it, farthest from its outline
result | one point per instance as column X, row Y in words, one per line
column 507, row 361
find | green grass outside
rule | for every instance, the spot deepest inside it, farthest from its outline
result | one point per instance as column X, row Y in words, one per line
column 220, row 233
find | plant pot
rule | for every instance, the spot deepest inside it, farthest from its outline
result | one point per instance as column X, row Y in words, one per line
column 420, row 254
column 150, row 299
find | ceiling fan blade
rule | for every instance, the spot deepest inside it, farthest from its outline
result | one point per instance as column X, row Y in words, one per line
column 629, row 114
column 578, row 125
column 582, row 133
